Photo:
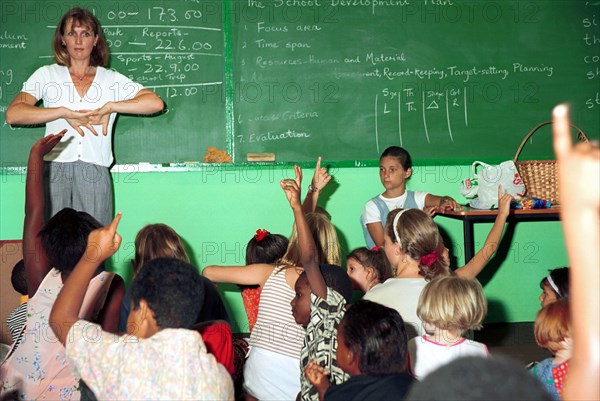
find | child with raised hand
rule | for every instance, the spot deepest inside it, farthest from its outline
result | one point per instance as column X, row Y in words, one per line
column 554, row 286
column 322, row 293
column 162, row 241
column 449, row 306
column 579, row 186
column 272, row 369
column 415, row 249
column 367, row 268
column 552, row 330
column 159, row 358
column 395, row 168
column 267, row 248
column 372, row 350
column 37, row 368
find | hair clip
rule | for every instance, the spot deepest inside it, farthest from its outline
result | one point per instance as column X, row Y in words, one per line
column 261, row 233
column 429, row 259
column 375, row 249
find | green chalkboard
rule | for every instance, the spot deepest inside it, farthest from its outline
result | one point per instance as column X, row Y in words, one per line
column 449, row 80
column 173, row 47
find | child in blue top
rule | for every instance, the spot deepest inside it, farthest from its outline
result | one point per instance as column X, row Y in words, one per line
column 395, row 168
column 322, row 293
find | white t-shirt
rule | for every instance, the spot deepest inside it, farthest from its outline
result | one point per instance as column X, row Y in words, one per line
column 371, row 212
column 403, row 295
column 426, row 355
column 54, row 85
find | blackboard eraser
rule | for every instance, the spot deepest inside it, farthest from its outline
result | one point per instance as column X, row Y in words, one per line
column 260, row 157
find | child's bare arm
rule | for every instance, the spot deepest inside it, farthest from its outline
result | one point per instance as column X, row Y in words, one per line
column 440, row 203
column 35, row 259
column 318, row 377
column 102, row 244
column 242, row 275
column 478, row 262
column 579, row 184
column 308, row 251
column 376, row 231
column 319, row 181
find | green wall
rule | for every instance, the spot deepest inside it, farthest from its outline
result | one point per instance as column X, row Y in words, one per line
column 217, row 209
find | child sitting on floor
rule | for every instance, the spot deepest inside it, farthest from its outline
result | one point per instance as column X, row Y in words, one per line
column 367, row 268
column 159, row 358
column 448, row 306
column 554, row 286
column 322, row 293
column 553, row 332
column 372, row 350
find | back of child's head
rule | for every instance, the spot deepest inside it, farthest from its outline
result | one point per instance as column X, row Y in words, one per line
column 173, row 291
column 18, row 279
column 399, row 153
column 419, row 238
column 453, row 303
column 553, row 325
column 374, row 259
column 377, row 335
column 326, row 241
column 265, row 247
column 558, row 280
column 64, row 237
column 475, row 378
column 157, row 241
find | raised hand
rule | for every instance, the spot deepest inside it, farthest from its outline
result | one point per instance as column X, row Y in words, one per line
column 316, row 375
column 320, row 178
column 103, row 242
column 291, row 188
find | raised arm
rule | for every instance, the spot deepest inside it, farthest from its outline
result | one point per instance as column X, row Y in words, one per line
column 320, row 179
column 308, row 251
column 478, row 262
column 579, row 185
column 102, row 244
column 34, row 257
column 242, row 275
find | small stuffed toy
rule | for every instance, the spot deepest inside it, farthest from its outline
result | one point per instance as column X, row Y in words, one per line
column 215, row 155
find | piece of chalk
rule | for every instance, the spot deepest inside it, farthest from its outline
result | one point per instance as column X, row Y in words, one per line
column 260, row 157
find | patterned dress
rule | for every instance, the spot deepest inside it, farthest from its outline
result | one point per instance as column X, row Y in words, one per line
column 38, row 369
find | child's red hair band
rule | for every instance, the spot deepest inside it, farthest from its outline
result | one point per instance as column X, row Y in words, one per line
column 261, row 233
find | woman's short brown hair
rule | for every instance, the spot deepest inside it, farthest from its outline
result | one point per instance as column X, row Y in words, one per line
column 80, row 17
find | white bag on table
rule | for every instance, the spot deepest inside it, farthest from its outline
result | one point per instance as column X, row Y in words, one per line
column 483, row 187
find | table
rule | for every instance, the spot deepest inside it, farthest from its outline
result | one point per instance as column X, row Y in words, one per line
column 470, row 216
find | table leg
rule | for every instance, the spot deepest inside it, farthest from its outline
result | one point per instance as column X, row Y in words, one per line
column 469, row 240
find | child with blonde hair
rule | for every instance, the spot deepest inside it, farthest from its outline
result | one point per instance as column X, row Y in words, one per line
column 552, row 331
column 272, row 370
column 449, row 306
column 416, row 250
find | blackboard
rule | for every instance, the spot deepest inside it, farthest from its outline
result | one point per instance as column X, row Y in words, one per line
column 449, row 80
column 172, row 47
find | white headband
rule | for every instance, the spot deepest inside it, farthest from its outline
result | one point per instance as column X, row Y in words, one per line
column 395, row 224
column 553, row 285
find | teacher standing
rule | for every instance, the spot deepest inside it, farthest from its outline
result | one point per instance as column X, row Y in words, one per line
column 84, row 97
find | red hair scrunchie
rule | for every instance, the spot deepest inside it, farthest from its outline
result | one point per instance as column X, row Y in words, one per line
column 261, row 233
column 429, row 259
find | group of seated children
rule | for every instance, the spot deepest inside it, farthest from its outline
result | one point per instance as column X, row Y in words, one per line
column 407, row 339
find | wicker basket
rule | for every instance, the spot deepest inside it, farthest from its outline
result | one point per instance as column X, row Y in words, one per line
column 541, row 176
